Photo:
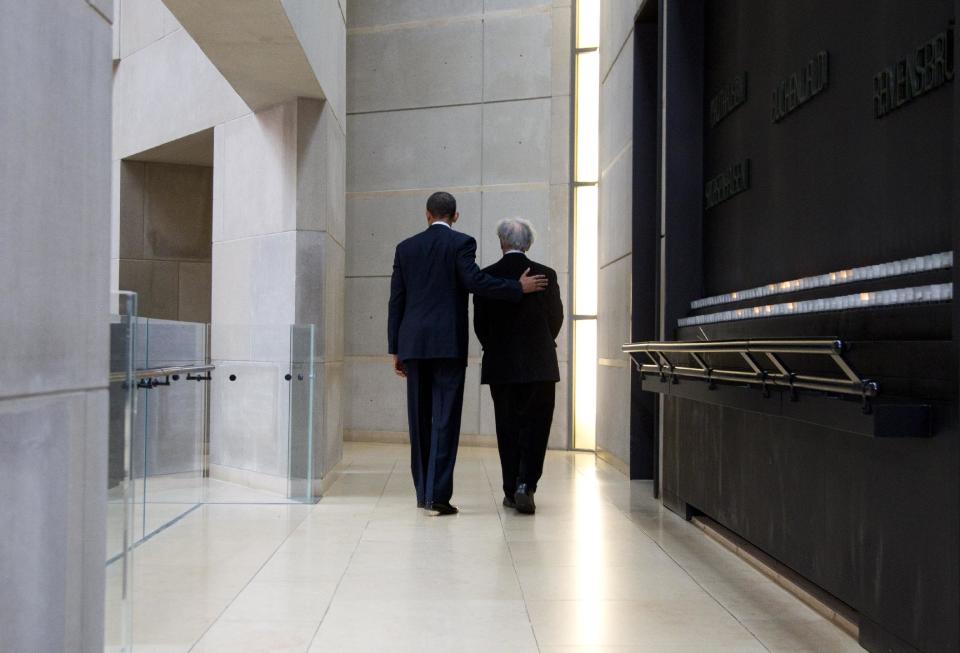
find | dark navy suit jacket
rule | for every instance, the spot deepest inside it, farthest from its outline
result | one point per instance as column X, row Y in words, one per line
column 432, row 274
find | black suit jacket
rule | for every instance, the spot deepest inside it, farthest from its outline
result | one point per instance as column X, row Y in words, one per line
column 432, row 274
column 519, row 340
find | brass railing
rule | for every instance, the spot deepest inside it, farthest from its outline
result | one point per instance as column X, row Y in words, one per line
column 763, row 366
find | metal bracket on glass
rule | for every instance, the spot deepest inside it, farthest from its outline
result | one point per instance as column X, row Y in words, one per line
column 148, row 383
column 662, row 361
column 148, row 378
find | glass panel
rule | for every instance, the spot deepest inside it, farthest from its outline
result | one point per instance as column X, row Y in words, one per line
column 138, row 429
column 241, row 433
column 304, row 464
column 585, row 384
column 249, row 459
column 120, row 488
column 585, row 251
column 174, row 422
column 588, row 23
column 588, row 117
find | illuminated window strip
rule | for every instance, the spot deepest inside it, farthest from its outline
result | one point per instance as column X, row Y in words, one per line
column 940, row 261
column 917, row 295
column 585, row 248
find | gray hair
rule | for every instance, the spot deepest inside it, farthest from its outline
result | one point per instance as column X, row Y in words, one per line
column 516, row 233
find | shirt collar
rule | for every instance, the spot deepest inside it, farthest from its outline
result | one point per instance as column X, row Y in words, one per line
column 448, row 226
column 513, row 251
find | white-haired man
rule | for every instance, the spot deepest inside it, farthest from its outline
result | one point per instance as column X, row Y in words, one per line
column 520, row 364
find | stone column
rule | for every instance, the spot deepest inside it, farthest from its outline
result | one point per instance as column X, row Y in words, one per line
column 278, row 260
column 54, row 327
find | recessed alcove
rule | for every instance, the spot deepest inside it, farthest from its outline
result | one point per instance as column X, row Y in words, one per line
column 166, row 215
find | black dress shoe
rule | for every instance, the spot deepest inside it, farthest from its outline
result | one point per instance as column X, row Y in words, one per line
column 420, row 504
column 523, row 498
column 442, row 508
column 509, row 502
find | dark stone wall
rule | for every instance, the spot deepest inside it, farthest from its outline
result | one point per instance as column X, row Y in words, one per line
column 874, row 521
column 831, row 187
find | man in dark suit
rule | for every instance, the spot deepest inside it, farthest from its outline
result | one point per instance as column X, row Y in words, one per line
column 428, row 329
column 520, row 365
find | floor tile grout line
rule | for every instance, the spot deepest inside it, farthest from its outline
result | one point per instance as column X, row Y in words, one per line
column 260, row 568
column 219, row 616
column 353, row 553
column 609, row 486
column 640, row 528
column 156, row 531
column 513, row 562
column 687, row 572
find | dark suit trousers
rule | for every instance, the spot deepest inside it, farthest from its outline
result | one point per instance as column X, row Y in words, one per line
column 434, row 407
column 524, row 413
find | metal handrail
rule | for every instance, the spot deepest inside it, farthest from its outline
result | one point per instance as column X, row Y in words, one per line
column 808, row 346
column 157, row 372
column 753, row 352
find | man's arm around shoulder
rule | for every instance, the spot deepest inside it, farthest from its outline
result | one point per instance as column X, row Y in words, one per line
column 481, row 283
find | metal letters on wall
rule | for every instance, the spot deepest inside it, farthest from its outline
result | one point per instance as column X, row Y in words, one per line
column 928, row 67
column 801, row 87
column 728, row 98
column 728, row 183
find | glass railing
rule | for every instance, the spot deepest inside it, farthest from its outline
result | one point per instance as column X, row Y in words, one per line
column 200, row 415
column 262, row 413
column 304, row 460
column 170, row 427
column 121, row 492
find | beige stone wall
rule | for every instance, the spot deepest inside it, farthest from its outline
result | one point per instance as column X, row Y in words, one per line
column 472, row 97
column 164, row 87
column 277, row 260
column 616, row 200
column 276, row 248
column 54, row 273
column 166, row 214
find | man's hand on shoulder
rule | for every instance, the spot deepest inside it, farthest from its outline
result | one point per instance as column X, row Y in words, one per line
column 533, row 284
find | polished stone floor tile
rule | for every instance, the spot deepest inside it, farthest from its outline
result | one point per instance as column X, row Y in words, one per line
column 785, row 635
column 425, row 626
column 327, row 566
column 757, row 599
column 484, row 552
column 648, row 582
column 462, row 581
column 257, row 637
column 273, row 600
column 661, row 622
column 602, row 568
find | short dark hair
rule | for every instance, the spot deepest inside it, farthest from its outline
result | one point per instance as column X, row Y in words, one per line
column 442, row 205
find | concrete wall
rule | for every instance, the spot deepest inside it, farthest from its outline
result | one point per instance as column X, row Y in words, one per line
column 164, row 87
column 54, row 271
column 166, row 215
column 278, row 260
column 616, row 186
column 278, row 215
column 472, row 97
